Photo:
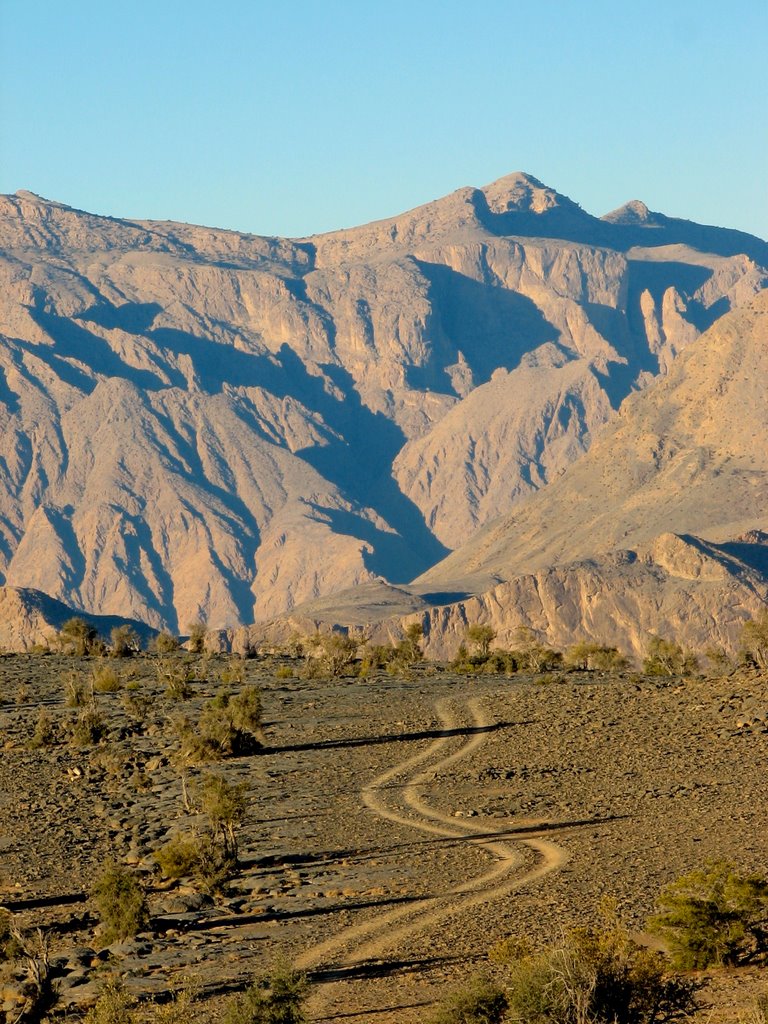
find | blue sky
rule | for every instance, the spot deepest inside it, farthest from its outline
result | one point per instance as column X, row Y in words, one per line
column 292, row 117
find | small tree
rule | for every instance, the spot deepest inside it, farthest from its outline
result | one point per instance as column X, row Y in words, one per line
column 196, row 637
column 481, row 638
column 224, row 803
column 754, row 641
column 714, row 915
column 666, row 658
column 334, row 654
column 124, row 641
column 165, row 643
column 594, row 658
column 77, row 637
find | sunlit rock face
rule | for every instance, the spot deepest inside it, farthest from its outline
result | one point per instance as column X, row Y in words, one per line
column 202, row 424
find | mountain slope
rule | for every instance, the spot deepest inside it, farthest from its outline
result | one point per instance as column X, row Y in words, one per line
column 687, row 455
column 207, row 424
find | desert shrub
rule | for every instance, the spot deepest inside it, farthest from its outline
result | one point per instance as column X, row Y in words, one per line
column 228, row 726
column 196, row 637
column 224, row 804
column 480, row 639
column 90, row 728
column 332, row 654
column 754, row 641
column 666, row 658
column 274, row 998
column 531, row 655
column 284, row 672
column 113, row 1005
column 10, row 947
column 165, row 643
column 408, row 650
column 77, row 637
column 77, row 693
column 376, row 657
column 481, row 1001
column 465, row 663
column 594, row 658
column 121, row 903
column 500, row 662
column 124, row 642
column 135, row 703
column 233, row 672
column 104, row 679
column 758, row 1012
column 714, row 915
column 719, row 662
column 595, row 977
column 45, row 731
column 176, row 675
column 180, row 856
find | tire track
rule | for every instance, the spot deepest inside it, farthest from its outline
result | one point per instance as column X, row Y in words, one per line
column 372, row 938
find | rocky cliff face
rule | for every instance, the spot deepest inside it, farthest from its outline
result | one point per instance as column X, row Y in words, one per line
column 205, row 424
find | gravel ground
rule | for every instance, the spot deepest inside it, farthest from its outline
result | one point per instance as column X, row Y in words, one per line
column 374, row 808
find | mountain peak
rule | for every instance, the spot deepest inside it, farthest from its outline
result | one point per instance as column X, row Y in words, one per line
column 522, row 193
column 633, row 212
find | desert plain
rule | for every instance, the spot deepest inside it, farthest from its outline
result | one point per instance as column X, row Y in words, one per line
column 396, row 827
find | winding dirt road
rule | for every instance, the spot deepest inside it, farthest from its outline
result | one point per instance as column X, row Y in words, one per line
column 397, row 796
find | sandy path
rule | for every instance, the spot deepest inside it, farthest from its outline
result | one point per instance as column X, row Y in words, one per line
column 372, row 938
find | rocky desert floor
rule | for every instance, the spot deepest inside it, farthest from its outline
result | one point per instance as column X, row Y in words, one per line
column 396, row 828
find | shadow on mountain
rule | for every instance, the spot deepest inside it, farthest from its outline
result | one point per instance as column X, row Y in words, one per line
column 361, row 467
column 132, row 317
column 492, row 327
column 75, row 342
column 358, row 462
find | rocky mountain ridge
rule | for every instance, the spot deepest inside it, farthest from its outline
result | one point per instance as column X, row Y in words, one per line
column 203, row 424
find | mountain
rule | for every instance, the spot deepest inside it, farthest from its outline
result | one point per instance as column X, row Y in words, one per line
column 687, row 455
column 204, row 424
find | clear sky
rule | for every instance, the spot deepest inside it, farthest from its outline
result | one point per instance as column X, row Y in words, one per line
column 298, row 116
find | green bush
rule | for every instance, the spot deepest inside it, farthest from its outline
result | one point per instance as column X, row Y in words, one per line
column 77, row 693
column 121, row 903
column 233, row 672
column 330, row 654
column 594, row 658
column 665, row 658
column 714, row 915
column 481, row 638
column 481, row 1001
column 180, row 856
column 113, row 1006
column 274, row 998
column 229, row 726
column 176, row 675
column 224, row 804
column 595, row 977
